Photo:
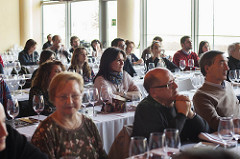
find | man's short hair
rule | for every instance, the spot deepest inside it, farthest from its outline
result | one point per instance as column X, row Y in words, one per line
column 208, row 59
column 157, row 38
column 54, row 37
column 114, row 43
column 72, row 39
column 232, row 48
column 183, row 39
column 49, row 35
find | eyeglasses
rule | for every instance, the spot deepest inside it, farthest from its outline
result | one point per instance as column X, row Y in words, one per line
column 169, row 85
column 74, row 97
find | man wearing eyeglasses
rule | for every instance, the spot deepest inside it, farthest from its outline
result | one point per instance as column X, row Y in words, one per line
column 165, row 108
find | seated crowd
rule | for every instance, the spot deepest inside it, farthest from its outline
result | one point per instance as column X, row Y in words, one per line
column 67, row 132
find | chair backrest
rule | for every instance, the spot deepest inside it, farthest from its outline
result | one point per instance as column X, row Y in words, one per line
column 120, row 146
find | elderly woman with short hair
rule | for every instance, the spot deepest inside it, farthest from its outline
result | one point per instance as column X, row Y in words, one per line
column 67, row 132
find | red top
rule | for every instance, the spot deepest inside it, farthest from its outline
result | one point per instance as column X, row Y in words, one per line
column 180, row 55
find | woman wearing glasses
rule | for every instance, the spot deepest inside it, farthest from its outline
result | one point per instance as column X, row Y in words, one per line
column 111, row 79
column 67, row 132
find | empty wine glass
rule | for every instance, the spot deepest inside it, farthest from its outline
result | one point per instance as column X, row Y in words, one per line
column 226, row 129
column 17, row 66
column 38, row 104
column 21, row 81
column 190, row 64
column 85, row 102
column 236, row 124
column 13, row 109
column 232, row 76
column 172, row 141
column 151, row 66
column 156, row 142
column 182, row 64
column 138, row 145
column 93, row 97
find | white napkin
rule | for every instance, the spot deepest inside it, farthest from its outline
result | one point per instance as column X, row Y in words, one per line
column 215, row 139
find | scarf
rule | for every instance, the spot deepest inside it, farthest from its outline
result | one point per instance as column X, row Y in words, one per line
column 116, row 77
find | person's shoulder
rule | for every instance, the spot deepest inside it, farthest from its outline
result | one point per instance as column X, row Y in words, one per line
column 178, row 53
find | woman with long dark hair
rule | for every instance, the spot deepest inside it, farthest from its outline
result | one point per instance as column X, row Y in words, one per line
column 111, row 79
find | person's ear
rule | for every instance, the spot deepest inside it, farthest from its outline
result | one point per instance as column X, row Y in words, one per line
column 206, row 68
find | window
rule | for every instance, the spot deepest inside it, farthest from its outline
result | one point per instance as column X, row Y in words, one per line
column 85, row 20
column 170, row 20
column 54, row 21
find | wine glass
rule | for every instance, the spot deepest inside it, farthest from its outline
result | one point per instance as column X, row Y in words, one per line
column 151, row 66
column 156, row 141
column 190, row 64
column 12, row 109
column 226, row 129
column 21, row 81
column 236, row 124
column 85, row 102
column 17, row 66
column 182, row 64
column 38, row 104
column 138, row 145
column 232, row 76
column 93, row 97
column 172, row 141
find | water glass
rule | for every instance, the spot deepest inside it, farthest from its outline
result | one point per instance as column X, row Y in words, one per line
column 85, row 102
column 226, row 129
column 138, row 145
column 236, row 124
column 172, row 141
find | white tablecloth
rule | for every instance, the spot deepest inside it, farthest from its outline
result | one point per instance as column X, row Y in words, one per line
column 109, row 125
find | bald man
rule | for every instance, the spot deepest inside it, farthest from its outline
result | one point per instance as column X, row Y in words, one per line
column 14, row 145
column 165, row 108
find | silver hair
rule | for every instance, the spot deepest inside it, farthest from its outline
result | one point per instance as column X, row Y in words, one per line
column 232, row 47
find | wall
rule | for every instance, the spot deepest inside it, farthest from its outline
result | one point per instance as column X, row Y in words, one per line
column 9, row 27
column 17, row 27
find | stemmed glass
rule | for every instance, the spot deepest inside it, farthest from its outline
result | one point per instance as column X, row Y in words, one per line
column 17, row 66
column 236, row 124
column 93, row 97
column 138, row 145
column 21, row 81
column 151, row 66
column 12, row 109
column 38, row 104
column 226, row 129
column 232, row 76
column 191, row 64
column 157, row 142
column 85, row 102
column 182, row 64
column 172, row 141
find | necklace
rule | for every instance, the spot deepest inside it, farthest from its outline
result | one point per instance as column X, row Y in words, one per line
column 70, row 125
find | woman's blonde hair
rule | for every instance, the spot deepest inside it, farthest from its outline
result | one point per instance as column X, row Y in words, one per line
column 41, row 80
column 75, row 62
column 59, row 82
